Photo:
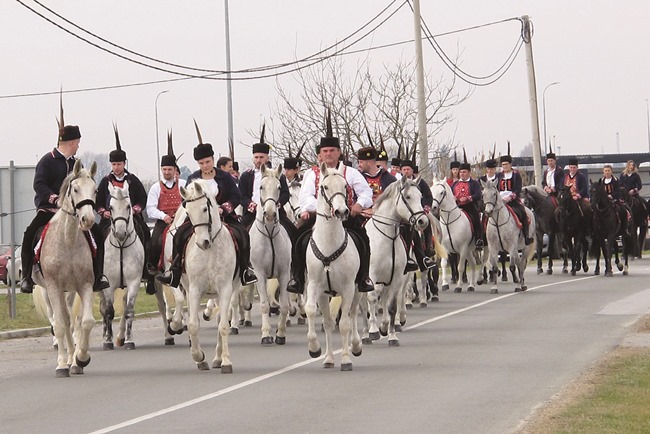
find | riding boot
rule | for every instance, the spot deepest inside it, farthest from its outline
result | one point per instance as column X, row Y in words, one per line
column 173, row 276
column 246, row 273
column 101, row 282
column 524, row 228
column 478, row 234
column 407, row 235
column 428, row 242
column 27, row 284
column 298, row 255
column 364, row 283
column 424, row 261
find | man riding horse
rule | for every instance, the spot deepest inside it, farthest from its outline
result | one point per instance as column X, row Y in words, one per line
column 553, row 177
column 51, row 171
column 578, row 184
column 138, row 196
column 359, row 197
column 467, row 192
column 613, row 189
column 228, row 198
column 163, row 201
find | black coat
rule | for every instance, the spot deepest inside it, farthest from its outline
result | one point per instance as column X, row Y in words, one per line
column 631, row 181
column 246, row 181
column 229, row 194
column 137, row 193
column 51, row 171
column 558, row 177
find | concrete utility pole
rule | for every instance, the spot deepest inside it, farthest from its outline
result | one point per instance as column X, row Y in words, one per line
column 228, row 82
column 532, row 93
column 422, row 112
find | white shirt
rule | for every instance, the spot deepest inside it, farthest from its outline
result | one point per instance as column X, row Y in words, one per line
column 154, row 194
column 550, row 178
column 307, row 197
column 506, row 193
column 257, row 180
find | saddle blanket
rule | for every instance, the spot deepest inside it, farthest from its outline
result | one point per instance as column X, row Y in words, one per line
column 39, row 245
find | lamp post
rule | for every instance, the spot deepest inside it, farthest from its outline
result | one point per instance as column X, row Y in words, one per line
column 647, row 110
column 157, row 140
column 544, row 110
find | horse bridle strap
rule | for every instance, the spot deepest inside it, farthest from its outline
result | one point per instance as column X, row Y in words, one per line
column 415, row 215
column 79, row 205
column 327, row 260
column 209, row 222
column 328, row 200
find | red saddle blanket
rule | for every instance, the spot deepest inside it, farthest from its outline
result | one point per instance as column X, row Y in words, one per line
column 516, row 217
column 39, row 246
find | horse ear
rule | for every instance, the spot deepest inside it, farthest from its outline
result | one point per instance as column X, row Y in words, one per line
column 482, row 183
column 323, row 168
column 77, row 167
column 198, row 188
column 183, row 192
column 416, row 181
column 125, row 187
column 263, row 169
column 278, row 170
column 93, row 169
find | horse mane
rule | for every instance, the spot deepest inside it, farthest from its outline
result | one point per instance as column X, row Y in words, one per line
column 536, row 191
column 386, row 193
column 206, row 188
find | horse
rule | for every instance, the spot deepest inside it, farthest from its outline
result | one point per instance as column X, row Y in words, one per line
column 332, row 264
column 503, row 234
column 399, row 203
column 292, row 208
column 608, row 225
column 575, row 225
column 544, row 208
column 271, row 253
column 457, row 234
column 639, row 227
column 66, row 266
column 210, row 269
column 124, row 259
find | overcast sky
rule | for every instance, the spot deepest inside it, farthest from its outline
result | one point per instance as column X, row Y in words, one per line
column 598, row 50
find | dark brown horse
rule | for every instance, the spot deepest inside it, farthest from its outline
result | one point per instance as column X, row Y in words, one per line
column 574, row 220
column 639, row 227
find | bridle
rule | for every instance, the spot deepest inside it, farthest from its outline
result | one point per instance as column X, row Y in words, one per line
column 209, row 222
column 126, row 220
column 328, row 199
column 439, row 202
column 76, row 206
column 415, row 215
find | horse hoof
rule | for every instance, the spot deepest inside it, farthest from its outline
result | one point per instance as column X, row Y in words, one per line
column 524, row 287
column 241, row 322
column 434, row 298
column 402, row 322
column 596, row 273
column 398, row 328
column 119, row 342
column 565, row 271
column 620, row 267
column 314, row 354
column 216, row 364
column 357, row 353
column 248, row 323
column 280, row 340
column 203, row 366
column 549, row 271
column 458, row 290
column 206, row 317
column 226, row 369
column 586, row 268
column 234, row 331
column 374, row 336
column 346, row 366
column 540, row 271
column 423, row 304
column 517, row 289
column 366, row 341
column 409, row 306
column 82, row 363
column 302, row 321
column 494, row 291
column 470, row 289
column 573, row 272
column 129, row 346
column 625, row 273
column 169, row 341
column 76, row 370
column 62, row 373
column 504, row 278
column 393, row 343
column 383, row 332
column 107, row 346
column 445, row 287
column 267, row 340
column 171, row 331
column 248, row 307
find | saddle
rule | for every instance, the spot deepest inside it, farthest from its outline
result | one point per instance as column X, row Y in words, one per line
column 517, row 217
column 188, row 234
column 40, row 238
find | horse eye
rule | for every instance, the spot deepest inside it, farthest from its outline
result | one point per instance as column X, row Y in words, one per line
column 325, row 187
column 205, row 209
column 408, row 197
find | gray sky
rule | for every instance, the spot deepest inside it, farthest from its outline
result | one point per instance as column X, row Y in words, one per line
column 597, row 50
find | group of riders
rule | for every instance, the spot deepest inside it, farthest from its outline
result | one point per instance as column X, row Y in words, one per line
column 364, row 185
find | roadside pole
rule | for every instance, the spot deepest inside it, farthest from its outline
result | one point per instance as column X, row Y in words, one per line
column 532, row 92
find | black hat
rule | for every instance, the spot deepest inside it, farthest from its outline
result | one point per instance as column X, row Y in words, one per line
column 573, row 161
column 395, row 162
column 506, row 158
column 550, row 154
column 66, row 132
column 261, row 147
column 291, row 163
column 407, row 163
column 118, row 154
column 455, row 164
column 465, row 165
column 170, row 158
column 491, row 163
column 329, row 141
column 235, row 166
column 202, row 150
column 367, row 153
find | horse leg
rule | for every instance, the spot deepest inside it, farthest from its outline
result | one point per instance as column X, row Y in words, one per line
column 328, row 326
column 267, row 339
column 126, row 324
column 61, row 330
column 82, row 341
column 162, row 309
column 445, row 279
column 193, row 324
column 107, row 310
column 372, row 299
column 311, row 309
column 472, row 272
column 391, row 315
column 424, row 284
column 345, row 328
column 228, row 294
column 432, row 280
column 461, row 260
column 281, row 332
column 175, row 326
column 540, row 242
column 354, row 316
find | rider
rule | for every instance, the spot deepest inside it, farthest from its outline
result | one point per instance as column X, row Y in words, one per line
column 553, row 175
column 613, row 189
column 490, row 170
column 467, row 192
column 249, row 187
column 509, row 184
column 225, row 164
column 359, row 195
column 454, row 168
column 228, row 198
column 137, row 194
column 163, row 201
column 578, row 184
column 51, row 171
column 630, row 179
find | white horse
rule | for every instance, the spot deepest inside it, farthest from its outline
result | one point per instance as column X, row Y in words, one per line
column 332, row 264
column 271, row 253
column 503, row 234
column 124, row 259
column 456, row 234
column 292, row 208
column 210, row 266
column 66, row 266
column 399, row 203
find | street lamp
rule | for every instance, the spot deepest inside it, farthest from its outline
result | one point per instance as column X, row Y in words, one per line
column 544, row 109
column 157, row 140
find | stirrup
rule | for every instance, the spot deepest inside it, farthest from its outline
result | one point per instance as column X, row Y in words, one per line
column 479, row 245
column 27, row 285
column 295, row 286
column 248, row 277
column 166, row 278
column 428, row 263
column 411, row 265
column 101, row 284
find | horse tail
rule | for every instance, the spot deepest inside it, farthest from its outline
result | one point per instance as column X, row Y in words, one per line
column 335, row 306
column 40, row 303
column 75, row 312
column 441, row 252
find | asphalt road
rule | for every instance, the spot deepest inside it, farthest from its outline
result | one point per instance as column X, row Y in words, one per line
column 472, row 363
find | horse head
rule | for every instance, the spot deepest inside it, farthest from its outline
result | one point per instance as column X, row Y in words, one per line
column 332, row 197
column 598, row 195
column 77, row 195
column 202, row 211
column 409, row 203
column 270, row 193
column 491, row 197
column 441, row 194
column 121, row 211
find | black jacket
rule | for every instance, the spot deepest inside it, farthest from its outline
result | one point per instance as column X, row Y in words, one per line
column 229, row 196
column 137, row 193
column 246, row 181
column 51, row 171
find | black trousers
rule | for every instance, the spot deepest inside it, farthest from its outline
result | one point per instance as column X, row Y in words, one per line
column 520, row 210
column 357, row 232
column 475, row 217
column 156, row 243
column 412, row 239
column 41, row 219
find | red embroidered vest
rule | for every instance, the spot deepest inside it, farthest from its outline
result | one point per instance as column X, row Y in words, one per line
column 375, row 185
column 169, row 199
column 461, row 189
column 572, row 183
column 348, row 189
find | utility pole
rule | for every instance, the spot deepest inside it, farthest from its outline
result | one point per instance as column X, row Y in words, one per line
column 422, row 113
column 532, row 93
column 228, row 81
column 647, row 110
